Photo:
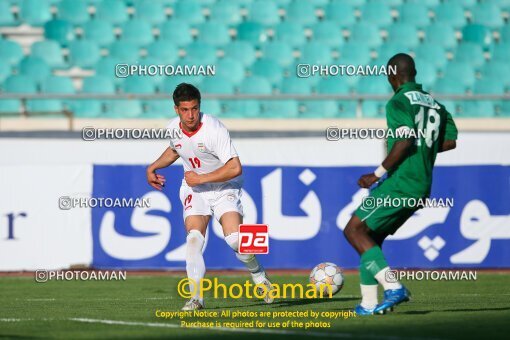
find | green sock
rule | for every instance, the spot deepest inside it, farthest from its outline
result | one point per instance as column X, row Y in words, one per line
column 373, row 260
column 365, row 277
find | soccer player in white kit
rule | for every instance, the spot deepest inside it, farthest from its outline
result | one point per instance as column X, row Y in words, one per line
column 211, row 185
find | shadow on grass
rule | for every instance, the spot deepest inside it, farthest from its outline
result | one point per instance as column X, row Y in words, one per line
column 302, row 302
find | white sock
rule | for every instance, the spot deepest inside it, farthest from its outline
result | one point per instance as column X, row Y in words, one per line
column 368, row 296
column 249, row 260
column 195, row 266
column 382, row 276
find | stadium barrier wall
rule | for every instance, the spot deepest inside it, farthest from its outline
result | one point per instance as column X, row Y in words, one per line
column 303, row 188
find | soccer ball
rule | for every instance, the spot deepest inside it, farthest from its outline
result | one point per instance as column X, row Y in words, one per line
column 327, row 273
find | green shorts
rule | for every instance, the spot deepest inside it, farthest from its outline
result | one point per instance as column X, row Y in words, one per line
column 384, row 211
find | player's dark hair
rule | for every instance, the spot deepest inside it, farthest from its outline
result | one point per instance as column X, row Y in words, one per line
column 404, row 63
column 186, row 92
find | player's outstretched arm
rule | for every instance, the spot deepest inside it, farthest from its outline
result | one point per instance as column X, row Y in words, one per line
column 228, row 171
column 395, row 157
column 447, row 145
column 168, row 157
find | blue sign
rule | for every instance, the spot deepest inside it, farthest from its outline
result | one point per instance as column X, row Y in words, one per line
column 306, row 209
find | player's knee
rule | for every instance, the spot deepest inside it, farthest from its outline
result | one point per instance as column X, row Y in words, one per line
column 233, row 241
column 194, row 241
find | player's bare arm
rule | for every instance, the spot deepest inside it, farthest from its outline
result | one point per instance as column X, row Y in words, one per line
column 230, row 170
column 167, row 158
column 394, row 158
column 447, row 145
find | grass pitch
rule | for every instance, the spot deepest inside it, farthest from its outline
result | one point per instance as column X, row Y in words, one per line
column 126, row 309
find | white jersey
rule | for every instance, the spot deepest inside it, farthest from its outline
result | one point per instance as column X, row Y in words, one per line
column 204, row 150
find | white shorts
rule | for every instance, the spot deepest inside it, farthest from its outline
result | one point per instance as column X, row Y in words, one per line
column 215, row 202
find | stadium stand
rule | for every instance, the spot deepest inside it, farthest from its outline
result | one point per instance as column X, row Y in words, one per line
column 461, row 47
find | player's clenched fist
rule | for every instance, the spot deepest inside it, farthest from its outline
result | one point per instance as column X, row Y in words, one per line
column 366, row 181
column 192, row 179
column 155, row 180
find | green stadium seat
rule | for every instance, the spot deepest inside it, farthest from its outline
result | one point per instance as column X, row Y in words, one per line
column 59, row 30
column 280, row 109
column 468, row 4
column 242, row 51
column 227, row 12
column 318, row 3
column 52, row 84
column 302, row 12
column 10, row 52
column 98, row 84
column 255, row 85
column 74, row 11
column 478, row 34
column 138, row 85
column 149, row 61
column 441, row 34
column 137, row 32
column 84, row 53
column 176, row 31
column 317, row 109
column 214, row 33
column 489, row 86
column 150, row 11
column 99, row 31
column 159, row 108
column 113, row 11
column 470, row 53
column 504, row 108
column 373, row 85
column 123, row 109
column 451, row 106
column 279, row 51
column 433, row 53
column 388, row 50
column 450, row 13
column 377, row 13
column 449, row 86
column 34, row 67
column 333, row 85
column 316, row 53
column 487, row 14
column 403, row 33
column 163, row 51
column 252, row 32
column 501, row 51
column 16, row 84
column 341, row 13
column 426, row 73
column 201, row 53
column 415, row 13
column 366, row 33
column 328, row 33
column 373, row 109
column 290, row 32
column 269, row 69
column 211, row 107
column 230, row 68
column 505, row 34
column 428, row 3
column 294, row 85
column 499, row 70
column 35, row 12
column 354, row 53
column 241, row 109
column 354, row 3
column 5, row 70
column 189, row 10
column 170, row 83
column 6, row 16
column 462, row 72
column 217, row 85
column 50, row 51
column 106, row 67
column 477, row 108
column 124, row 51
column 265, row 14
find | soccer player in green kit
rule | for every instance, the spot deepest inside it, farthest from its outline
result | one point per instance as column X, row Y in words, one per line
column 425, row 128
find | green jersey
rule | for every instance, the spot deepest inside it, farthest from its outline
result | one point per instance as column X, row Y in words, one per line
column 412, row 112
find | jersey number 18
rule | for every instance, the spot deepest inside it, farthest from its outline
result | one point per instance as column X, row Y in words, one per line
column 431, row 129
